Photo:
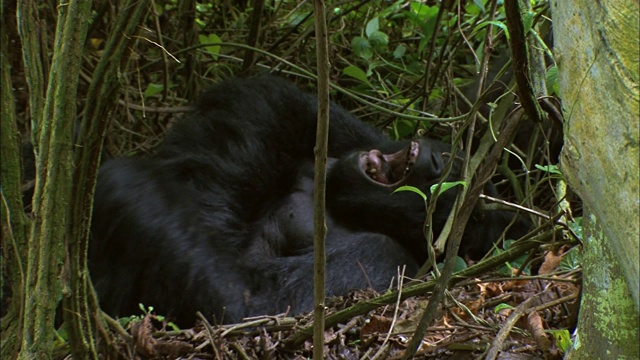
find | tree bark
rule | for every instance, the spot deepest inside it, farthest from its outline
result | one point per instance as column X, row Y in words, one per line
column 320, row 180
column 53, row 179
column 608, row 320
column 596, row 46
column 81, row 311
column 15, row 225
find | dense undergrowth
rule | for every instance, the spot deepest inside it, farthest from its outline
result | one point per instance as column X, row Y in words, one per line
column 413, row 68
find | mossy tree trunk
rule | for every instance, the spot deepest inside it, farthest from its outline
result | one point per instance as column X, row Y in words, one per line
column 15, row 225
column 49, row 230
column 596, row 46
column 81, row 305
column 46, row 258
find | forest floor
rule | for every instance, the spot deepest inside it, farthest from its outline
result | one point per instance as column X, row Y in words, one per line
column 510, row 318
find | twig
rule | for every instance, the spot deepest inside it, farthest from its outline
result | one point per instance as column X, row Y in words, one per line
column 246, row 325
column 515, row 206
column 383, row 348
column 240, row 350
column 520, row 56
column 210, row 333
column 496, row 345
column 320, row 180
column 157, row 109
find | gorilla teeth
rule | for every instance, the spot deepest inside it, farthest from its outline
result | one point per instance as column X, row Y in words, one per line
column 412, row 153
column 407, row 168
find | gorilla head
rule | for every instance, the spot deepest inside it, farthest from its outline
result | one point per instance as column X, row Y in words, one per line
column 360, row 190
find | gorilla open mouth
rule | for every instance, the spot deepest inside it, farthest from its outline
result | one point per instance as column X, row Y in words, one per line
column 389, row 169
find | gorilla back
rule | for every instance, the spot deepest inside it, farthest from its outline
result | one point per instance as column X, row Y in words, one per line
column 219, row 220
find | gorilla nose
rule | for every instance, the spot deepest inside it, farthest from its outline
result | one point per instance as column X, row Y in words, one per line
column 437, row 163
column 374, row 163
column 375, row 158
column 431, row 158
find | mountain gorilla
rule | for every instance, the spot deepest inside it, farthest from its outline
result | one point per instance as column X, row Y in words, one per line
column 220, row 219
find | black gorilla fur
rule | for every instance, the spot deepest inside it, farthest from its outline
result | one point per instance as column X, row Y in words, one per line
column 220, row 218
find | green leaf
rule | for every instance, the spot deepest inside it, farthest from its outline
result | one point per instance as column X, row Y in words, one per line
column 459, row 265
column 126, row 321
column 204, row 8
column 436, row 94
column 552, row 80
column 361, row 47
column 214, row 50
column 297, row 18
column 446, row 186
column 553, row 169
column 572, row 260
column 527, row 20
column 502, row 306
column 62, row 335
column 379, row 39
column 508, row 267
column 402, row 128
column 153, row 89
column 399, row 52
column 159, row 9
column 423, row 11
column 412, row 189
column 356, row 73
column 479, row 4
column 472, row 9
column 372, row 26
column 499, row 24
column 576, row 226
column 563, row 339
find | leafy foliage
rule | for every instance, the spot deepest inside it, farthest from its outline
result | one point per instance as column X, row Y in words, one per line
column 410, row 67
column 128, row 321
